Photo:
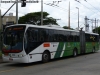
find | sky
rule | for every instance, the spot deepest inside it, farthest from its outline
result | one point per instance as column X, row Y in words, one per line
column 60, row 9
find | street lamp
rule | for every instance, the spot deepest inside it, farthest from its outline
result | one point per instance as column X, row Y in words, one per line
column 78, row 17
column 41, row 12
column 97, row 24
column 16, row 11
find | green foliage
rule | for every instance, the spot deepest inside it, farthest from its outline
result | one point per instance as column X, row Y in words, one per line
column 35, row 19
column 65, row 27
column 97, row 30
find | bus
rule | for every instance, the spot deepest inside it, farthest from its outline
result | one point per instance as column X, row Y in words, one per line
column 25, row 43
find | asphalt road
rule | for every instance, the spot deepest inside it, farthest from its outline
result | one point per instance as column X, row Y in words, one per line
column 88, row 64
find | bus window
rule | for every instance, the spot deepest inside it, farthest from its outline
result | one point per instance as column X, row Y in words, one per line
column 32, row 34
column 67, row 36
column 46, row 35
column 51, row 37
column 13, row 38
column 32, row 39
column 35, row 35
column 95, row 38
column 61, row 36
column 77, row 37
column 55, row 35
column 43, row 33
column 74, row 36
column 26, row 43
column 87, row 37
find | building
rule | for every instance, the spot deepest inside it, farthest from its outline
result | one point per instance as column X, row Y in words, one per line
column 8, row 20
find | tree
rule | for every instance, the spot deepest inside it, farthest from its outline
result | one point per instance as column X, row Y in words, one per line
column 97, row 30
column 65, row 27
column 35, row 19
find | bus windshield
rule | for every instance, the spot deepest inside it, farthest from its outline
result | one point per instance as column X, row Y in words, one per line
column 13, row 39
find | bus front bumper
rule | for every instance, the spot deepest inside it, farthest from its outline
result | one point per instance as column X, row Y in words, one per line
column 15, row 60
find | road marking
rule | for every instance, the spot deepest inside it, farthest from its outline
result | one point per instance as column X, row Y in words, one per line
column 6, row 70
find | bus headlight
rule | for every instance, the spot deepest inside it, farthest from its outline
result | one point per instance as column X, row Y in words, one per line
column 21, row 55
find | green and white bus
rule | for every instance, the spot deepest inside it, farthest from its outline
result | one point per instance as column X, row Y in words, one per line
column 24, row 43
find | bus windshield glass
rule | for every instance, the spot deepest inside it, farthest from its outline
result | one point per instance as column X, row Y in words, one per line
column 13, row 39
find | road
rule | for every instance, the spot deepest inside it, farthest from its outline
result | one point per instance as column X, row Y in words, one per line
column 88, row 64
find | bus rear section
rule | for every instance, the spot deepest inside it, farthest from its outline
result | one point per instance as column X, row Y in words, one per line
column 13, row 44
column 89, row 42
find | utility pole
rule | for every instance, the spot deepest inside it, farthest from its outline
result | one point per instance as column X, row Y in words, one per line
column 16, row 11
column 41, row 12
column 78, row 17
column 92, row 24
column 4, row 15
column 95, row 25
column 69, row 17
column 86, row 24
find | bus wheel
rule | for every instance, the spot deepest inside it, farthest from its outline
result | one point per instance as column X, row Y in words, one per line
column 45, row 57
column 74, row 53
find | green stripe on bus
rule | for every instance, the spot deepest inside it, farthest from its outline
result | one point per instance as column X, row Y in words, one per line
column 67, row 48
column 59, row 50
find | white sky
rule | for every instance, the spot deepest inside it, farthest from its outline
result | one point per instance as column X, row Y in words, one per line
column 91, row 9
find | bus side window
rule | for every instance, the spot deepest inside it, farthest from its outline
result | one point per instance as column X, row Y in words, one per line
column 35, row 34
column 26, row 41
column 51, row 37
column 67, row 33
column 44, row 35
column 41, row 37
column 55, row 35
column 61, row 36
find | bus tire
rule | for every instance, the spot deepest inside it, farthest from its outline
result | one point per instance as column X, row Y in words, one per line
column 74, row 52
column 45, row 56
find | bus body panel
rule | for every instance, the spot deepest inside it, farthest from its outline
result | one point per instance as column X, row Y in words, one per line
column 57, row 49
column 17, row 57
column 36, row 54
column 15, row 60
column 34, row 57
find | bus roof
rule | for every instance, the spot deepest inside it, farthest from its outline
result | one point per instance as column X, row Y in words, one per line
column 45, row 26
column 92, row 33
column 56, row 27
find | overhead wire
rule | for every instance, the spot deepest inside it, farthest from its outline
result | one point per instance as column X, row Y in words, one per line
column 12, row 10
column 61, row 8
column 86, row 7
column 91, row 5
